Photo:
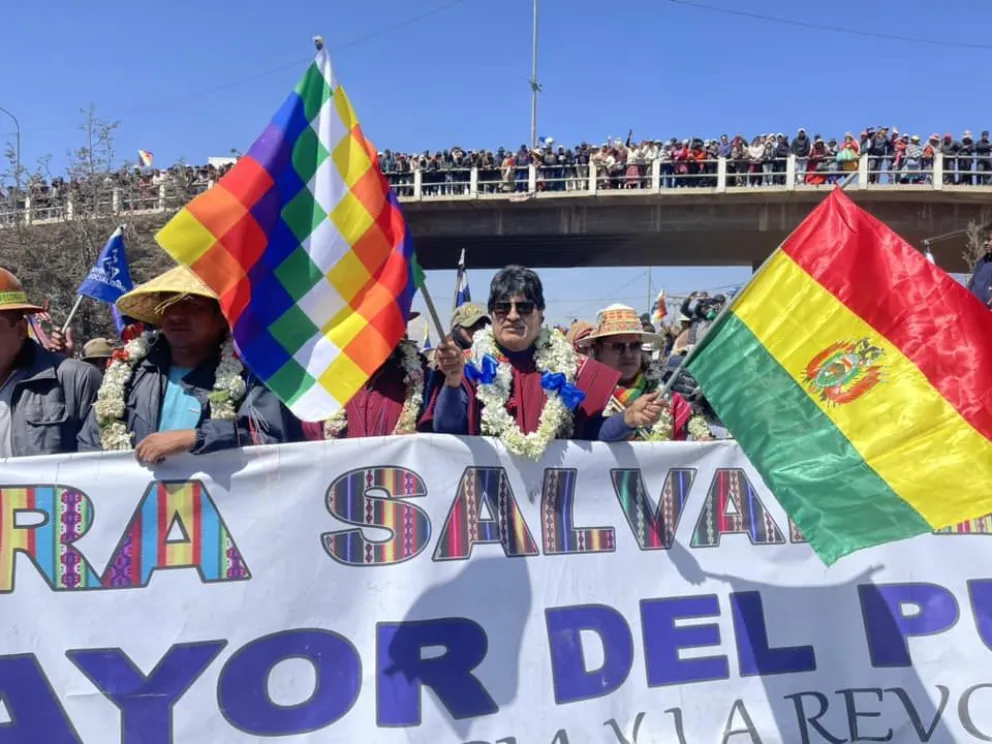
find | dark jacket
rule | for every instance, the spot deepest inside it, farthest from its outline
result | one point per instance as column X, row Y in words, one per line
column 50, row 401
column 981, row 279
column 261, row 418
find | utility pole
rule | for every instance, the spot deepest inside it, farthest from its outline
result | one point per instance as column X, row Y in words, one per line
column 17, row 151
column 535, row 87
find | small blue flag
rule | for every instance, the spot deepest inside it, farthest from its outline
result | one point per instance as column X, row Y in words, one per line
column 110, row 276
column 427, row 337
column 462, row 292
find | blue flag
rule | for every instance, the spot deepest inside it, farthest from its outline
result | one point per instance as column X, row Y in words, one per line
column 462, row 292
column 110, row 276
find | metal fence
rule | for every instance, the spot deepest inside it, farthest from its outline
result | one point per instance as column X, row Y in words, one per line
column 718, row 176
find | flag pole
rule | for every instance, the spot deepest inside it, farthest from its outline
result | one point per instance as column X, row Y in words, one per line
column 72, row 314
column 667, row 389
column 432, row 311
column 79, row 298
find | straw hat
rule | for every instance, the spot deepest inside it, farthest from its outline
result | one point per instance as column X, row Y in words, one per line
column 579, row 332
column 621, row 320
column 147, row 301
column 13, row 296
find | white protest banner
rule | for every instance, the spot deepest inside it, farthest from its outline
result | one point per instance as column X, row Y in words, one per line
column 435, row 590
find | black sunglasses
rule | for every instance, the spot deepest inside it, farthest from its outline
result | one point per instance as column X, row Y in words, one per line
column 619, row 347
column 524, row 308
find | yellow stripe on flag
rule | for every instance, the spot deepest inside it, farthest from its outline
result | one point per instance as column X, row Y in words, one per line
column 905, row 430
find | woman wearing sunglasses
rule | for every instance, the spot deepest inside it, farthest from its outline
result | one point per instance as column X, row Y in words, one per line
column 619, row 341
column 524, row 383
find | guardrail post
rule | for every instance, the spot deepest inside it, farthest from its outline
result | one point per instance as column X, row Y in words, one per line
column 863, row 172
column 161, row 196
column 27, row 209
column 531, row 179
column 656, row 176
column 721, row 175
column 68, row 207
column 790, row 172
column 473, row 182
column 592, row 178
column 938, row 171
column 115, row 200
column 418, row 184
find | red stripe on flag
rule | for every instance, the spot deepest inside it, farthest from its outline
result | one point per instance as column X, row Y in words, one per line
column 937, row 323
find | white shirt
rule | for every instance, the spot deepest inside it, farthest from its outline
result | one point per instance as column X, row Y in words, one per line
column 6, row 415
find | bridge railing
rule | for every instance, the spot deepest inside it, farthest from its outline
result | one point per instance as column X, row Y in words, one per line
column 718, row 176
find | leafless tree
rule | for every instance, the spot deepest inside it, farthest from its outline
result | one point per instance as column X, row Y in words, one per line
column 53, row 258
column 976, row 234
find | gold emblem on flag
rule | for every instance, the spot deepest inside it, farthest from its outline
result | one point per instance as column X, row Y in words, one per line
column 844, row 371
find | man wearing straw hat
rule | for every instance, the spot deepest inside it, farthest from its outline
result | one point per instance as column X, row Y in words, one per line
column 182, row 389
column 44, row 397
column 618, row 341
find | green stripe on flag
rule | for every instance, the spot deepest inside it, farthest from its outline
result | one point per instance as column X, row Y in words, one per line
column 835, row 498
column 418, row 273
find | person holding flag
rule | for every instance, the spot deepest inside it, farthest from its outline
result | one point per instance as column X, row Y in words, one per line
column 107, row 281
column 617, row 341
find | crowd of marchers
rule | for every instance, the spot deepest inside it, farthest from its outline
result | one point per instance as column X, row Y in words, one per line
column 174, row 383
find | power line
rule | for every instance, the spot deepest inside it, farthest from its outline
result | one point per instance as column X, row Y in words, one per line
column 158, row 105
column 608, row 298
column 834, row 29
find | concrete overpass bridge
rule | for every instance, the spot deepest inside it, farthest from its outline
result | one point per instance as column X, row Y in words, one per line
column 704, row 220
column 716, row 224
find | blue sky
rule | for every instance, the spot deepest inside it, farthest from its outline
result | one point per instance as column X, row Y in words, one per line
column 194, row 79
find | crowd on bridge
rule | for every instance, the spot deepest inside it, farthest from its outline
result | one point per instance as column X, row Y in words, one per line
column 134, row 188
column 893, row 157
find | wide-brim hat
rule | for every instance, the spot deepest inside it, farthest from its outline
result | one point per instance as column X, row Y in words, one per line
column 146, row 301
column 13, row 296
column 621, row 320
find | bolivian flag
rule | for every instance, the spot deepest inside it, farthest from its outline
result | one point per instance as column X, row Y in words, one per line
column 857, row 378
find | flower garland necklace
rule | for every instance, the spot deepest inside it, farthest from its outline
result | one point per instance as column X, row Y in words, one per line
column 553, row 355
column 413, row 399
column 110, row 406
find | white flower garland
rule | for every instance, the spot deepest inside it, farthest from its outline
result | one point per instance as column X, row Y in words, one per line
column 552, row 353
column 413, row 399
column 111, row 409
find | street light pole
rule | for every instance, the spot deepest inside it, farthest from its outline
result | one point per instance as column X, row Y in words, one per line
column 535, row 87
column 17, row 151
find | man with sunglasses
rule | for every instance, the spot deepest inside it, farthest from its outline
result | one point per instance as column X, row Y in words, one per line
column 520, row 366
